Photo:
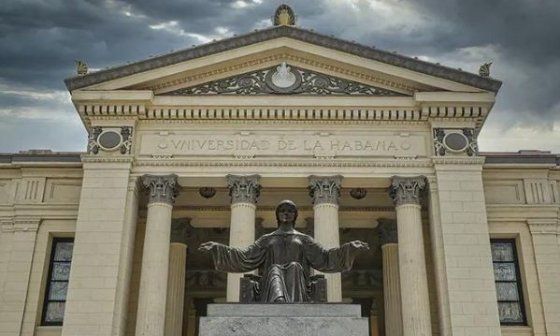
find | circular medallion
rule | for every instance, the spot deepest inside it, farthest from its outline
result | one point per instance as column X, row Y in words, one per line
column 455, row 142
column 283, row 79
column 109, row 140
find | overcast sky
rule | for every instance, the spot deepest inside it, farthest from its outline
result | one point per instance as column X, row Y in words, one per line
column 40, row 39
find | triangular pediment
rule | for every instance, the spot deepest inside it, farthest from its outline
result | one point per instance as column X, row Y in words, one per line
column 283, row 79
column 368, row 68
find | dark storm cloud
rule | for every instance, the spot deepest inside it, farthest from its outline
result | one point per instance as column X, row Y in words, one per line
column 40, row 40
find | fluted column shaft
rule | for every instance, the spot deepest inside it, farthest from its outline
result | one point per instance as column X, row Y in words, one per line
column 391, row 279
column 325, row 193
column 244, row 192
column 405, row 192
column 152, row 295
column 176, row 279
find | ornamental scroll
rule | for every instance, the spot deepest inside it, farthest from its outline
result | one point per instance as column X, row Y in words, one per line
column 284, row 79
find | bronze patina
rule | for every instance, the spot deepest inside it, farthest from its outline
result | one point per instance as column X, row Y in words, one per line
column 284, row 259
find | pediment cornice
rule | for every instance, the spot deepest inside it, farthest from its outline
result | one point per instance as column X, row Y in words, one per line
column 296, row 34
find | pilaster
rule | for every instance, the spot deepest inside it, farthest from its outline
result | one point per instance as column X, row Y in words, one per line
column 100, row 229
column 459, row 209
column 545, row 234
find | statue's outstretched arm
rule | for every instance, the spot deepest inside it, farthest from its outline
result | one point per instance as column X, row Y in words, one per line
column 336, row 259
column 231, row 259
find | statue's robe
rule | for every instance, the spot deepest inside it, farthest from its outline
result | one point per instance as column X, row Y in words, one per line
column 284, row 261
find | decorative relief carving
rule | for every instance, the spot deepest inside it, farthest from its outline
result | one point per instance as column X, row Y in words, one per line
column 110, row 139
column 284, row 79
column 244, row 188
column 161, row 188
column 388, row 233
column 455, row 141
column 325, row 189
column 406, row 190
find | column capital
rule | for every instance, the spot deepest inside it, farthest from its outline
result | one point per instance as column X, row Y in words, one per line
column 180, row 230
column 161, row 188
column 244, row 188
column 406, row 190
column 325, row 189
column 387, row 229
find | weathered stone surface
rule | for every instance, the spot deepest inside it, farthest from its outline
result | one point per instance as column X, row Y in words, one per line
column 283, row 320
column 271, row 310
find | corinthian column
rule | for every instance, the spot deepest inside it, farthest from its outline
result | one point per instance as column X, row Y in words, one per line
column 391, row 282
column 325, row 193
column 244, row 192
column 155, row 259
column 176, row 278
column 405, row 192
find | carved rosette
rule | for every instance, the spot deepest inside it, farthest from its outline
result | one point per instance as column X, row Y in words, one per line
column 325, row 189
column 161, row 188
column 387, row 229
column 244, row 188
column 406, row 190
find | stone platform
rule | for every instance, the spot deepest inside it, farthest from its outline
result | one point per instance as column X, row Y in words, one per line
column 283, row 320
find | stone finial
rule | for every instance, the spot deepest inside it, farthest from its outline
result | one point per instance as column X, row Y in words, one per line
column 406, row 190
column 179, row 230
column 387, row 230
column 325, row 189
column 81, row 68
column 161, row 188
column 284, row 16
column 484, row 70
column 244, row 188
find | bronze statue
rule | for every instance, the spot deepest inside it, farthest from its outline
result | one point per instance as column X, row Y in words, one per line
column 284, row 259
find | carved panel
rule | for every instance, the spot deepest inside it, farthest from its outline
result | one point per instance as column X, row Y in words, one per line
column 110, row 139
column 504, row 192
column 5, row 191
column 284, row 79
column 538, row 191
column 63, row 191
column 455, row 142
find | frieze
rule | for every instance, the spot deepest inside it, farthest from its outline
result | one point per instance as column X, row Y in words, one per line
column 253, row 144
column 284, row 79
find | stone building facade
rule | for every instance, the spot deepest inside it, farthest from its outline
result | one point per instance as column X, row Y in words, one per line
column 201, row 144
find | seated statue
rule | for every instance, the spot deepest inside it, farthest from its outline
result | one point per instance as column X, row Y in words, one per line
column 284, row 259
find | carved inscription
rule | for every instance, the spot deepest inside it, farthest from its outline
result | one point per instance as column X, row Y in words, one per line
column 281, row 145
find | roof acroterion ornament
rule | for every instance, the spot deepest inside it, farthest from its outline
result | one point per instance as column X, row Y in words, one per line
column 484, row 70
column 284, row 16
column 81, row 68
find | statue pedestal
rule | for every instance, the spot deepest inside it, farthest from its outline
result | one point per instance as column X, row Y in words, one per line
column 283, row 320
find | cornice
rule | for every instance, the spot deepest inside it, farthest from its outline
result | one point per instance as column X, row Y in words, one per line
column 248, row 162
column 449, row 160
column 89, row 158
column 289, row 32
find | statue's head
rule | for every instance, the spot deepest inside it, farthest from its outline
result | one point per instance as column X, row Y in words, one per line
column 286, row 212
